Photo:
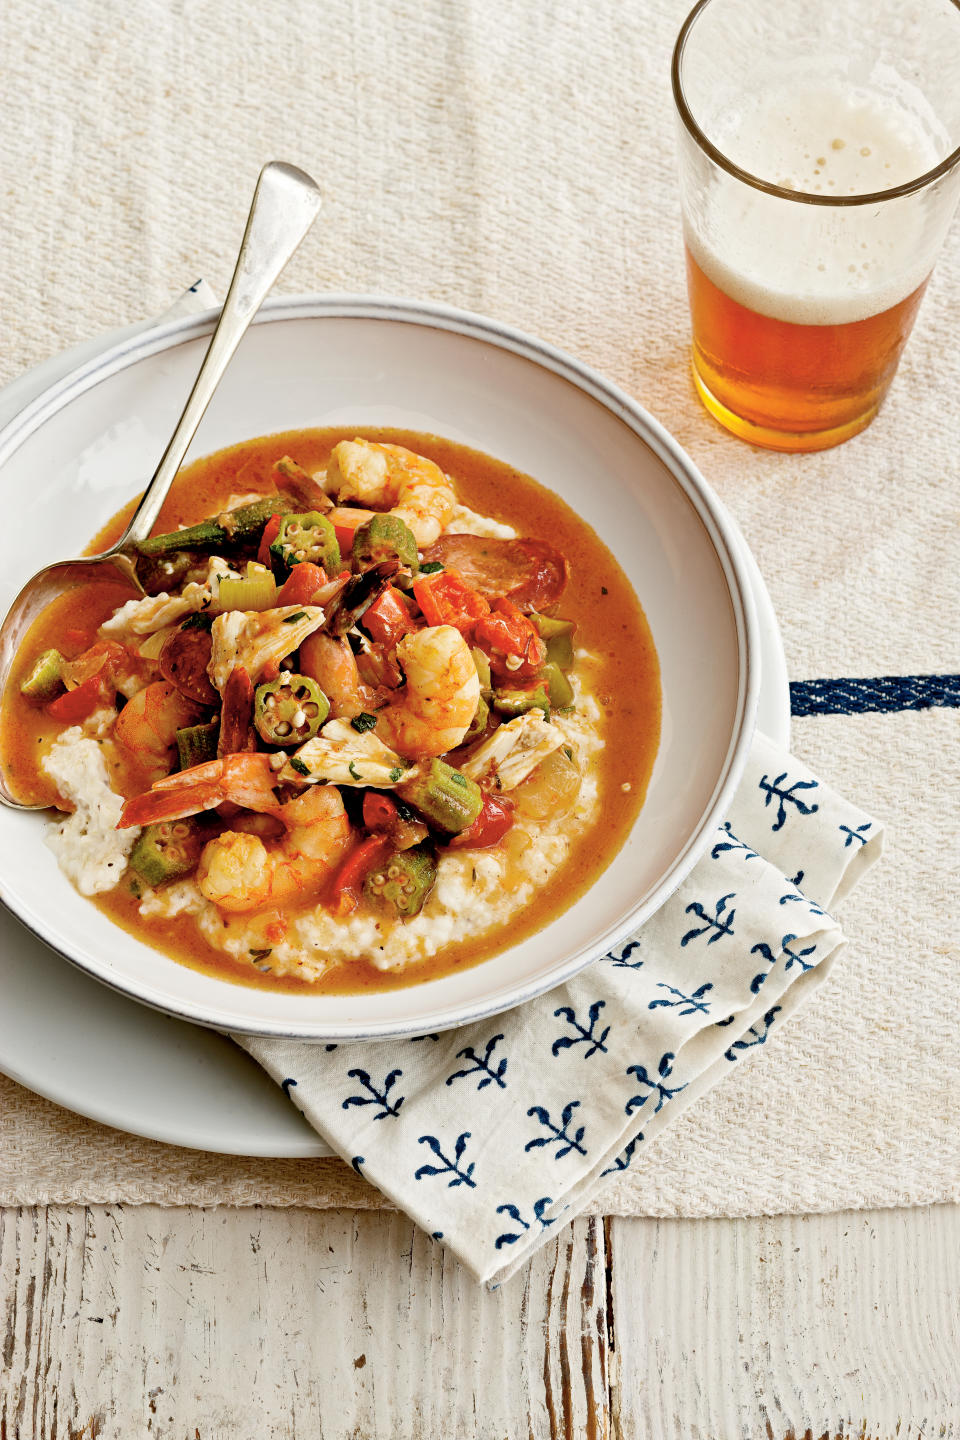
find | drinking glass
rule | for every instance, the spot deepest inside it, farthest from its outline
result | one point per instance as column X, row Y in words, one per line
column 818, row 176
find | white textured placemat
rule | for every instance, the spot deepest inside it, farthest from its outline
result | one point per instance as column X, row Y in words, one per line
column 518, row 161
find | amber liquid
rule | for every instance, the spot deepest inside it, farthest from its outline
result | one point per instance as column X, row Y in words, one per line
column 788, row 386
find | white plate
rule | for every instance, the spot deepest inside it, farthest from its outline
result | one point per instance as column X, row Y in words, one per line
column 141, row 1071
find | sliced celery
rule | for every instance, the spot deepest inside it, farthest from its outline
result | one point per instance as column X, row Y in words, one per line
column 257, row 590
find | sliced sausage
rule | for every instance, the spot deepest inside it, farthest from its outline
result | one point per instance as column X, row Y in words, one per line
column 184, row 660
column 531, row 573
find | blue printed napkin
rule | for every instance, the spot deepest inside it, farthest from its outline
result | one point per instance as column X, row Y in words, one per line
column 491, row 1135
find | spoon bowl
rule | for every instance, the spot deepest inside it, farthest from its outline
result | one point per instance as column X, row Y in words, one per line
column 285, row 204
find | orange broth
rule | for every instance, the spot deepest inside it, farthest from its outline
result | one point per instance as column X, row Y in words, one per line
column 610, row 624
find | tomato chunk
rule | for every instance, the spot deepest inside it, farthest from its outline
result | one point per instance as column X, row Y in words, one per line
column 379, row 811
column 79, row 702
column 511, row 640
column 302, row 584
column 387, row 620
column 446, row 599
column 491, row 825
column 91, row 678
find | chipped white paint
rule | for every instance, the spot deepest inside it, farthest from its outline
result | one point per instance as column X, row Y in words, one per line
column 226, row 1324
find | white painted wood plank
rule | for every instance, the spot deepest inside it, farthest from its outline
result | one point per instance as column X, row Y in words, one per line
column 824, row 1325
column 278, row 1323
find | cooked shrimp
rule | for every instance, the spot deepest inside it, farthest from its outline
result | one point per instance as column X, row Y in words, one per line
column 389, row 477
column 239, row 871
column 147, row 725
column 331, row 663
column 433, row 711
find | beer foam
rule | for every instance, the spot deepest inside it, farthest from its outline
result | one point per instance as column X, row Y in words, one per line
column 813, row 264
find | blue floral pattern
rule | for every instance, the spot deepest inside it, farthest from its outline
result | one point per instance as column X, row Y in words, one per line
column 488, row 1135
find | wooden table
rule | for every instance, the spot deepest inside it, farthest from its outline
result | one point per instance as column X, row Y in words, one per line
column 208, row 1324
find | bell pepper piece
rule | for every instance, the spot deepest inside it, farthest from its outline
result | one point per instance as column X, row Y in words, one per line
column 519, row 701
column 478, row 724
column 270, row 532
column 347, row 883
column 558, row 686
column 346, row 521
column 379, row 811
column 197, row 743
column 558, row 637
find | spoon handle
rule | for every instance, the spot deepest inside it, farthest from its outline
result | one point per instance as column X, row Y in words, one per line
column 285, row 205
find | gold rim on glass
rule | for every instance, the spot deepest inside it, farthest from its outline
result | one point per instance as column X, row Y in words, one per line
column 804, row 197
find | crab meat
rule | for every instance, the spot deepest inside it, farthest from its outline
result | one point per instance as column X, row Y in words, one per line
column 514, row 750
column 340, row 755
column 155, row 612
column 254, row 639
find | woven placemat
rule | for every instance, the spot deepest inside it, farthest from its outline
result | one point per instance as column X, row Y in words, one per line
column 481, row 156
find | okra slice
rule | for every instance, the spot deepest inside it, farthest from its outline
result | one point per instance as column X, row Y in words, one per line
column 196, row 744
column 306, row 537
column 384, row 537
column 227, row 531
column 518, row 702
column 167, row 851
column 558, row 635
column 289, row 710
column 45, row 678
column 446, row 799
column 405, row 881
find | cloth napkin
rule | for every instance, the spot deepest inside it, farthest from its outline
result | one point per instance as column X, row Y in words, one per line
column 491, row 1135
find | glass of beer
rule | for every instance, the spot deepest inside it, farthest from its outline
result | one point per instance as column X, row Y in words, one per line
column 819, row 173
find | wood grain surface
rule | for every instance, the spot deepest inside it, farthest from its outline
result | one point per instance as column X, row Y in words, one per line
column 207, row 1324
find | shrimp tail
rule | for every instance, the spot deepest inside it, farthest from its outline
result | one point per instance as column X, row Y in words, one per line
column 247, row 780
column 159, row 804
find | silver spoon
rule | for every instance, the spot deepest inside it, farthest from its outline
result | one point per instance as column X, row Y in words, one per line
column 285, row 204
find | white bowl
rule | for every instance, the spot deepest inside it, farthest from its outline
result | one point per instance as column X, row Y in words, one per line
column 83, row 447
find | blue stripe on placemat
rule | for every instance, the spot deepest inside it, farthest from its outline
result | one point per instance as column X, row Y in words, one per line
column 884, row 692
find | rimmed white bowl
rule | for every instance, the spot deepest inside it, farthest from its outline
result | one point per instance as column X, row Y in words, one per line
column 73, row 455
